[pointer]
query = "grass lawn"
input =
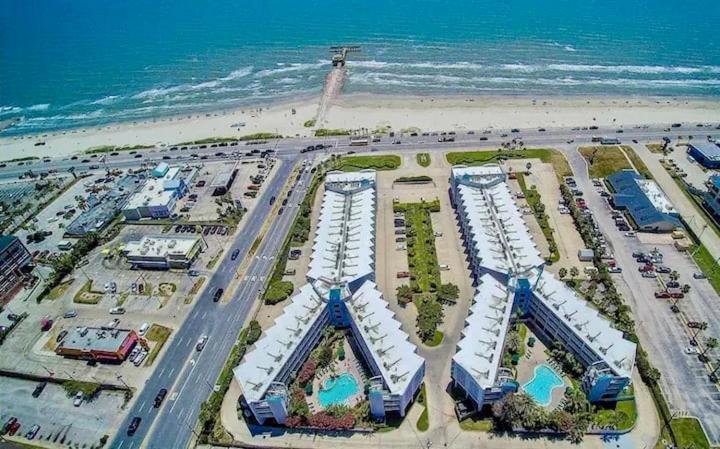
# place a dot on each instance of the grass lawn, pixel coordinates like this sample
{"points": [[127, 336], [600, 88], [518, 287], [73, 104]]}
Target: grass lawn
{"points": [[477, 425], [547, 155], [706, 263], [86, 295], [604, 160], [655, 147], [325, 132], [436, 340], [215, 260], [423, 422], [357, 163], [688, 432], [159, 334], [637, 162], [522, 332], [59, 290], [423, 159], [421, 253], [532, 196]]}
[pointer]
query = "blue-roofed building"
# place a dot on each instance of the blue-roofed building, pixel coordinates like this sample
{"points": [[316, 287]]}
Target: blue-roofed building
{"points": [[644, 201], [706, 153], [711, 198], [160, 170]]}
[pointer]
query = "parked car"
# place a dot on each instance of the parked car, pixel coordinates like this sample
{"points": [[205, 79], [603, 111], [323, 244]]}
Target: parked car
{"points": [[649, 274], [117, 310], [32, 432], [39, 389], [12, 420], [662, 294], [699, 276], [60, 336], [78, 398]]}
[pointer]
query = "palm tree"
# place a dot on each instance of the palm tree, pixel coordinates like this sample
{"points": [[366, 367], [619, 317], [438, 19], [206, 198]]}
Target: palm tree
{"points": [[713, 375], [562, 272], [700, 327], [674, 276], [528, 166], [710, 344], [574, 272]]}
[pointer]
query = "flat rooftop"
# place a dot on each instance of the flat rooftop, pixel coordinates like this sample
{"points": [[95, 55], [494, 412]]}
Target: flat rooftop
{"points": [[153, 192], [708, 149], [160, 246], [88, 339]]}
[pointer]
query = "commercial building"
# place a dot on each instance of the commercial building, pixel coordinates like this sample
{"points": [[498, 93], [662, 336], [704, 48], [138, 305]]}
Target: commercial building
{"points": [[163, 252], [644, 201], [340, 292], [509, 273], [14, 258], [98, 343], [223, 179], [102, 208], [706, 153], [157, 197]]}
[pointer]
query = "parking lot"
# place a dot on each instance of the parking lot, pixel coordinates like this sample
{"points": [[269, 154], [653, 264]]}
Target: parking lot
{"points": [[662, 333], [59, 420]]}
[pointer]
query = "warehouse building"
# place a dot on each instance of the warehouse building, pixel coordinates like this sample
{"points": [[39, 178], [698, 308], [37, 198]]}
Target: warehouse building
{"points": [[706, 153], [509, 273], [98, 343], [340, 292], [644, 201], [163, 252], [157, 197], [14, 260]]}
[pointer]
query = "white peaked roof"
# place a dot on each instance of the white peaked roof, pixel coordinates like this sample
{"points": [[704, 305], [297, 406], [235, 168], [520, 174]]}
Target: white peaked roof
{"points": [[344, 242], [498, 231], [261, 365], [382, 333], [480, 349], [587, 323]]}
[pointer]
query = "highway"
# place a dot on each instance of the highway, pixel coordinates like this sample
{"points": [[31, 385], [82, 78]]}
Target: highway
{"points": [[292, 146], [190, 375]]}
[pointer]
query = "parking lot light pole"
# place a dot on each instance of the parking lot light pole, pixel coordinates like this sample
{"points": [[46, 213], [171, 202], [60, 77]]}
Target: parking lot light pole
{"points": [[120, 378]]}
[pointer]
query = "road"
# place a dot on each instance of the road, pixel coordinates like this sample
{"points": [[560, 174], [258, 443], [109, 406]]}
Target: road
{"points": [[684, 380], [291, 146], [190, 375]]}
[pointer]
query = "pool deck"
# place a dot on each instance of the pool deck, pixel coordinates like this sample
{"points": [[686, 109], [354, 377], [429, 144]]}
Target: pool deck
{"points": [[526, 369], [350, 365]]}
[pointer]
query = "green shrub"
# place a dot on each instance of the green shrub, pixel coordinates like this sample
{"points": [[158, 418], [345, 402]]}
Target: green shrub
{"points": [[278, 291]]}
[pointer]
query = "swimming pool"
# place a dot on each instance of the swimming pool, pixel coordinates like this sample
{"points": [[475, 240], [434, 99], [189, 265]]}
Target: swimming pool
{"points": [[338, 390], [542, 384]]}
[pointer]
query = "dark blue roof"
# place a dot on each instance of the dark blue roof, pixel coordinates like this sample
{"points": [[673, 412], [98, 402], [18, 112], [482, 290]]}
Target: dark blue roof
{"points": [[715, 179], [629, 195], [5, 241], [708, 149]]}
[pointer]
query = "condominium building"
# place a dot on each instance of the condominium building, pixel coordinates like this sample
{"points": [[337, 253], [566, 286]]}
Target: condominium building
{"points": [[340, 292], [14, 257], [508, 270], [163, 252]]}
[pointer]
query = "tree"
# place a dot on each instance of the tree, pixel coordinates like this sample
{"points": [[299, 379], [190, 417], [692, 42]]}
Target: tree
{"points": [[430, 314], [404, 294], [448, 293], [511, 410], [710, 344], [562, 272], [686, 288], [528, 166], [674, 276], [574, 272]]}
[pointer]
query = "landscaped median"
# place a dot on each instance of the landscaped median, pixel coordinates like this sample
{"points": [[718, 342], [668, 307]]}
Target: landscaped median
{"points": [[357, 163], [426, 289], [158, 334], [423, 159], [532, 196]]}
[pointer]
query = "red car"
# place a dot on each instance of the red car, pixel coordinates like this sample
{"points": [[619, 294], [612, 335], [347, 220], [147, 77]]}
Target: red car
{"points": [[677, 295], [662, 294], [14, 427]]}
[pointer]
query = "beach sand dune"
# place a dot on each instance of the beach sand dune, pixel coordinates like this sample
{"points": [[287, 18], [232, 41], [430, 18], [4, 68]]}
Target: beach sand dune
{"points": [[373, 111]]}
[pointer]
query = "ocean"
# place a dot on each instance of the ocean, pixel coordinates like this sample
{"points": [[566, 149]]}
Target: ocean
{"points": [[70, 63]]}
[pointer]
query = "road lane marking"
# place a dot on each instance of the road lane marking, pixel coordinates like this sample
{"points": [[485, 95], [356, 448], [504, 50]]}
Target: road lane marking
{"points": [[162, 371], [121, 444], [142, 406], [204, 314]]}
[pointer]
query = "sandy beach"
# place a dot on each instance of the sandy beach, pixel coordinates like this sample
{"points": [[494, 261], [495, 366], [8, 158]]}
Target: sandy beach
{"points": [[371, 112]]}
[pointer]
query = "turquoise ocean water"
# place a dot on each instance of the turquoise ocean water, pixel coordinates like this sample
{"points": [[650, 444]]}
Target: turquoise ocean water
{"points": [[67, 63]]}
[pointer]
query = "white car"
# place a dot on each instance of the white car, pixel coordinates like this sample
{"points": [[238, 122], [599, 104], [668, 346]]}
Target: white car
{"points": [[78, 399], [630, 234], [201, 343], [117, 311], [690, 350]]}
